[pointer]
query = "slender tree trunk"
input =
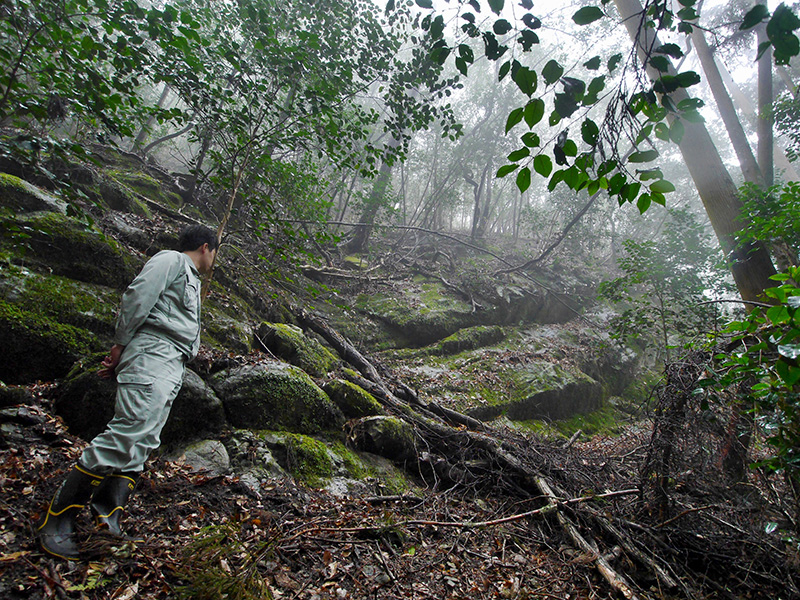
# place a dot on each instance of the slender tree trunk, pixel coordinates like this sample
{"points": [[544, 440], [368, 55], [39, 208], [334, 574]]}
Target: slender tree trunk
{"points": [[727, 111], [765, 120], [360, 241], [148, 127], [746, 107], [751, 266]]}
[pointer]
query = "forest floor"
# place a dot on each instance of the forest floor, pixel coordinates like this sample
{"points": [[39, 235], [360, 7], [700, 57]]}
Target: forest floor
{"points": [[201, 537], [206, 537]]}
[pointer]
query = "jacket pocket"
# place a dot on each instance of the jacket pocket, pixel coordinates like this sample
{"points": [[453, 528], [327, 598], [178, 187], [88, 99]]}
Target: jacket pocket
{"points": [[191, 295]]}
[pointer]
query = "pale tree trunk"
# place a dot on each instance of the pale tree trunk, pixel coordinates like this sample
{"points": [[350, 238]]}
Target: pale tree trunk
{"points": [[147, 128], [765, 132], [360, 241], [751, 266], [727, 111], [744, 105]]}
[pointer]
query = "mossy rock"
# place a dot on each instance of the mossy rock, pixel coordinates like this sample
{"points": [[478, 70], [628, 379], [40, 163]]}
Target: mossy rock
{"points": [[354, 401], [37, 347], [86, 403], [389, 437], [116, 196], [545, 390], [290, 344], [469, 338], [64, 246], [422, 315], [275, 395], [11, 395], [147, 186], [308, 460], [21, 196], [66, 301]]}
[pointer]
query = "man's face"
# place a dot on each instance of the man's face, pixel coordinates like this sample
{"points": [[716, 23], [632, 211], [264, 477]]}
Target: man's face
{"points": [[206, 259]]}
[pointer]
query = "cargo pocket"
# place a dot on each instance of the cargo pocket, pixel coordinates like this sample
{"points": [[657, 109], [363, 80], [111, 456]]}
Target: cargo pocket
{"points": [[134, 395]]}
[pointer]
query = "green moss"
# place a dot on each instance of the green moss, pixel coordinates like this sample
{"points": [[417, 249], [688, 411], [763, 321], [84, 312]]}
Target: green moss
{"points": [[354, 401], [64, 246], [308, 460], [64, 300], [39, 347], [19, 195], [147, 186], [289, 343]]}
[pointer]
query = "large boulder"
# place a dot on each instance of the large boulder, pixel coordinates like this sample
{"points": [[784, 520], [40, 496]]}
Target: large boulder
{"points": [[544, 390], [65, 246], [21, 196], [86, 403], [275, 395], [353, 400], [289, 343], [385, 436]]}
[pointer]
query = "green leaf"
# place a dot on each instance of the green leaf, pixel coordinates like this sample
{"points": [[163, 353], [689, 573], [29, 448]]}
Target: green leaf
{"points": [[502, 27], [552, 72], [672, 50], [524, 179], [648, 174], [513, 118], [676, 131], [662, 186], [505, 170], [643, 203], [518, 155], [589, 132], [613, 62], [643, 156], [593, 63], [587, 14], [534, 111], [437, 27], [557, 177], [779, 315], [543, 165], [425, 3], [530, 139], [504, 69], [661, 63], [496, 6], [526, 80], [755, 16]]}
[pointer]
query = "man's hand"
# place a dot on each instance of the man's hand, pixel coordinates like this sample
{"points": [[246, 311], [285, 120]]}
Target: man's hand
{"points": [[110, 362]]}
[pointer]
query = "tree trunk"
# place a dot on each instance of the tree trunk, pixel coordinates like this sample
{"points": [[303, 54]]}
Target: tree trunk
{"points": [[751, 266], [744, 105], [765, 130], [726, 109], [360, 241], [148, 127]]}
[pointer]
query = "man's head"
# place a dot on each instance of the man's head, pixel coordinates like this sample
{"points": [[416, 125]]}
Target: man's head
{"points": [[194, 236], [200, 244]]}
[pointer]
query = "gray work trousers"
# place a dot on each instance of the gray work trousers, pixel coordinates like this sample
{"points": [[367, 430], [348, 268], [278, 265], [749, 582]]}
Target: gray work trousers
{"points": [[149, 377]]}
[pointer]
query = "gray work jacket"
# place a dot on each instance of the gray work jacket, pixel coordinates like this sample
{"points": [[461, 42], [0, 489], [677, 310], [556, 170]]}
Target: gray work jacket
{"points": [[163, 300]]}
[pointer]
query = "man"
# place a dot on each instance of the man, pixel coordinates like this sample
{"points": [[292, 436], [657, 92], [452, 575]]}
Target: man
{"points": [[157, 332]]}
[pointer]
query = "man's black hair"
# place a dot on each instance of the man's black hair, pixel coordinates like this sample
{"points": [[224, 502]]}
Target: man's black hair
{"points": [[194, 236]]}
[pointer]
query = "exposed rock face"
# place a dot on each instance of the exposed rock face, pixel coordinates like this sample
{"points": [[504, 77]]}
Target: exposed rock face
{"points": [[288, 342], [274, 395], [86, 403]]}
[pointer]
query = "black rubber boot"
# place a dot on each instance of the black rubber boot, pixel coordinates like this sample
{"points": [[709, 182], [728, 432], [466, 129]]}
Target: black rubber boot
{"points": [[57, 532], [110, 499]]}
